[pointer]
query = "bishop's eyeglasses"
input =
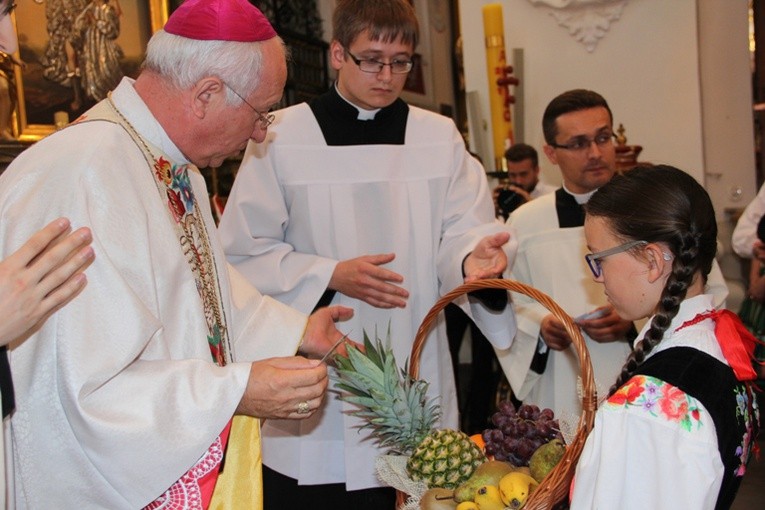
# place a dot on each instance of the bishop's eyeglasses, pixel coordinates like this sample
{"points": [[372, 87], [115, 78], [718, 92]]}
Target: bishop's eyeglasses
{"points": [[593, 259], [371, 65], [265, 119]]}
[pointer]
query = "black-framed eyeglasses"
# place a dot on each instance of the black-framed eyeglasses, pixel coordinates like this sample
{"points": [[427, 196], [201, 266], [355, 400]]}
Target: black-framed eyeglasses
{"points": [[593, 259], [9, 7], [265, 119], [580, 143], [370, 65]]}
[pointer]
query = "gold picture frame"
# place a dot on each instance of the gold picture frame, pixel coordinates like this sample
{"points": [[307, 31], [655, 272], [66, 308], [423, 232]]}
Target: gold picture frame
{"points": [[40, 99]]}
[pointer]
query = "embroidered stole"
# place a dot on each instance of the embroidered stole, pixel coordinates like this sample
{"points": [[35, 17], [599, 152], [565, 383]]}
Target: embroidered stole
{"points": [[206, 484]]}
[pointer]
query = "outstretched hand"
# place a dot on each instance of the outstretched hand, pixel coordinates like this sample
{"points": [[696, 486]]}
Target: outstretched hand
{"points": [[758, 250], [488, 259], [41, 277], [363, 278], [321, 334]]}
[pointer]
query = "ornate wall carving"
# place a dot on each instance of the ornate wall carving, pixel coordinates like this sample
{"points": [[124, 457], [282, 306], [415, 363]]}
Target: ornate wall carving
{"points": [[587, 21]]}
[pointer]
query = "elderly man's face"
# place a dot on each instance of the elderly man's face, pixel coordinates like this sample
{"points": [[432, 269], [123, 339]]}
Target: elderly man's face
{"points": [[8, 41], [226, 129]]}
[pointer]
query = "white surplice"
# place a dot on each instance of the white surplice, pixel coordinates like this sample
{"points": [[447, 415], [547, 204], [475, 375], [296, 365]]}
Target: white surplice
{"points": [[299, 206], [551, 259], [117, 395]]}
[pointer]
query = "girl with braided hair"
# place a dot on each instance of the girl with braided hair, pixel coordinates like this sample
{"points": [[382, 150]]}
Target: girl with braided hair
{"points": [[680, 423]]}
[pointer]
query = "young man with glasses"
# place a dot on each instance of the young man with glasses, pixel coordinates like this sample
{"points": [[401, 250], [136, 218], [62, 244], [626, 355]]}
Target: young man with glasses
{"points": [[541, 366], [358, 198]]}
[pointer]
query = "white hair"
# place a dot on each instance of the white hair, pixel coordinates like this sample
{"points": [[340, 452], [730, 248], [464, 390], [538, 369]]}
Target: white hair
{"points": [[185, 61]]}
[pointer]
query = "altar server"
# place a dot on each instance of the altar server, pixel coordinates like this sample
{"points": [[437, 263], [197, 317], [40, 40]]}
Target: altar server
{"points": [[360, 199]]}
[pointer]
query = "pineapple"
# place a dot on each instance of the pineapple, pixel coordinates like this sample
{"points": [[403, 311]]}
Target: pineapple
{"points": [[396, 408]]}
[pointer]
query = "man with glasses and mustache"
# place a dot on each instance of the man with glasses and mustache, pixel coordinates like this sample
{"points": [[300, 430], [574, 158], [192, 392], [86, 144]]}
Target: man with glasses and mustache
{"points": [[137, 393], [541, 366], [357, 198]]}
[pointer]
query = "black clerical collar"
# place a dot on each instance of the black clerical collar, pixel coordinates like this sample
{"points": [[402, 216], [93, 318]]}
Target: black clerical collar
{"points": [[570, 213], [340, 125]]}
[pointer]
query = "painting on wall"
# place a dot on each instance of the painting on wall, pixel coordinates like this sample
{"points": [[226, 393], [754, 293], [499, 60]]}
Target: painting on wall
{"points": [[71, 60]]}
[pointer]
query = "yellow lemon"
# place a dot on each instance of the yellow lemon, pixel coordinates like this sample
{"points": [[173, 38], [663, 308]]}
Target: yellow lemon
{"points": [[488, 498], [515, 487]]}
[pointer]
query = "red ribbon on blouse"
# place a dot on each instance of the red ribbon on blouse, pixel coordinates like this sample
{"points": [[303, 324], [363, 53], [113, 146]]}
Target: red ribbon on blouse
{"points": [[736, 342]]}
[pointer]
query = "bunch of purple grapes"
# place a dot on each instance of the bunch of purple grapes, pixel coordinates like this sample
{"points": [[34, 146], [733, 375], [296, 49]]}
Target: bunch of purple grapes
{"points": [[520, 432]]}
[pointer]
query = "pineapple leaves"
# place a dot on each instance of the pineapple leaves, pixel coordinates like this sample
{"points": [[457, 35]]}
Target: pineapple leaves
{"points": [[393, 405], [372, 353]]}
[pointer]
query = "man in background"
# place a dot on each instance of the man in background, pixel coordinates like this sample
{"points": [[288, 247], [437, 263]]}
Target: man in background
{"points": [[522, 179], [9, 45]]}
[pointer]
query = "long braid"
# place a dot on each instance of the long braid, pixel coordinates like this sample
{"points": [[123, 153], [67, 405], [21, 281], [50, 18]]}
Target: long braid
{"points": [[675, 210]]}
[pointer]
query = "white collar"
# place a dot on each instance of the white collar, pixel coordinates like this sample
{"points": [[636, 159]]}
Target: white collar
{"points": [[581, 198], [699, 335], [133, 108], [363, 114]]}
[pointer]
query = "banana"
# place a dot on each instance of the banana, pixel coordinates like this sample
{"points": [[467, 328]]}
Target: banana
{"points": [[515, 487], [467, 505], [488, 498]]}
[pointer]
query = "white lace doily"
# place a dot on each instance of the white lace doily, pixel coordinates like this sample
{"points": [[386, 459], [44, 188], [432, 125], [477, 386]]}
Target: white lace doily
{"points": [[391, 469]]}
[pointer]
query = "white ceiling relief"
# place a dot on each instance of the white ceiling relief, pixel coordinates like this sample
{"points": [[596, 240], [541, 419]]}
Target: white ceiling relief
{"points": [[587, 21]]}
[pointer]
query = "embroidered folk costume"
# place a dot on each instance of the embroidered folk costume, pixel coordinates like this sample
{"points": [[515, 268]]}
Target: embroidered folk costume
{"points": [[691, 439]]}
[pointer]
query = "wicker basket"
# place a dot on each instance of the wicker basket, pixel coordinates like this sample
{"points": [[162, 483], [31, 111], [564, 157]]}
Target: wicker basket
{"points": [[554, 488]]}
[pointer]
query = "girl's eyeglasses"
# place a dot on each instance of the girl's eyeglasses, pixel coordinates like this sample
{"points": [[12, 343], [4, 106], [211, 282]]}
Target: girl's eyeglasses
{"points": [[593, 259]]}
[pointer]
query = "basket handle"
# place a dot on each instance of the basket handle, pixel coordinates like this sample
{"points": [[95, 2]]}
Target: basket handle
{"points": [[554, 488], [571, 328]]}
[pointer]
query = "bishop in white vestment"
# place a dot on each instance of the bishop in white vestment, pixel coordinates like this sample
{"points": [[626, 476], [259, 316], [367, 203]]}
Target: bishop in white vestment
{"points": [[117, 395]]}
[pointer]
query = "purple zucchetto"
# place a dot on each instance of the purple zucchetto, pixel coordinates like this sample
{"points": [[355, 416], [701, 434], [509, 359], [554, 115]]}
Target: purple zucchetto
{"points": [[220, 20]]}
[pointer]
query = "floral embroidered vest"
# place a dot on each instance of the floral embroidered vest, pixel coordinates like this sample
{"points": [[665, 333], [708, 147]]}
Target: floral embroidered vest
{"points": [[730, 403]]}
